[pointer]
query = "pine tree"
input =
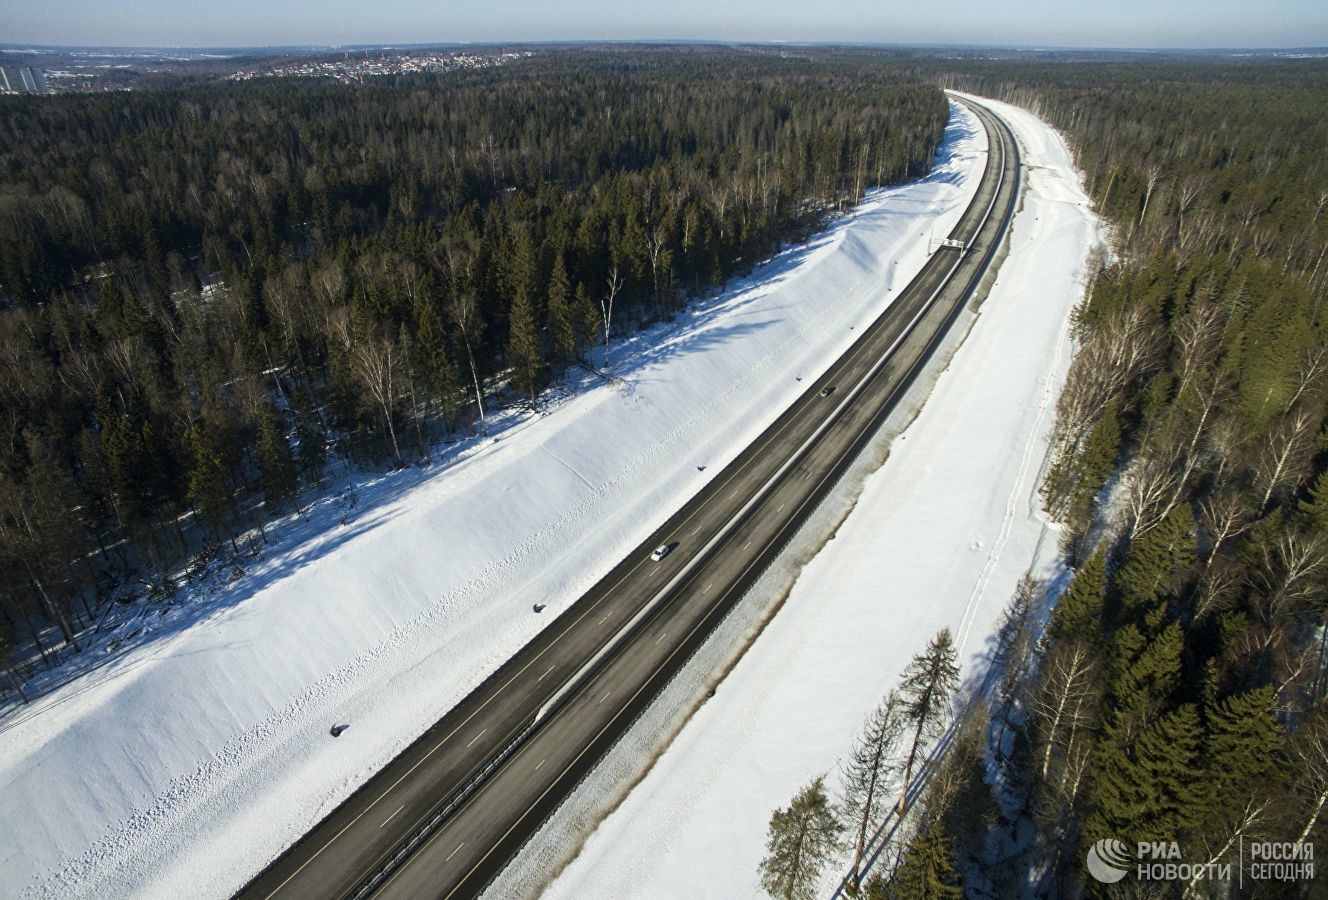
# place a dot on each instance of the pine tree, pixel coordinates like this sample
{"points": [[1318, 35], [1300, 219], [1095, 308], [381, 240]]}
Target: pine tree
{"points": [[801, 839], [1079, 610], [276, 463], [927, 689], [927, 870], [870, 772]]}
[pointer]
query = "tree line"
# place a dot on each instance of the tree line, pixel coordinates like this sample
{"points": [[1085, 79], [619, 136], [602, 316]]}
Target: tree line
{"points": [[898, 737], [212, 293], [1177, 690]]}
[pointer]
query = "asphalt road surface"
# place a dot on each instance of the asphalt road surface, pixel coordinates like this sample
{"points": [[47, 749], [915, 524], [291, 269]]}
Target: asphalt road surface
{"points": [[444, 817]]}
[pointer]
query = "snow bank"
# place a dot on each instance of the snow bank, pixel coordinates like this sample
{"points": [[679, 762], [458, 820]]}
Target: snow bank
{"points": [[185, 763], [939, 535]]}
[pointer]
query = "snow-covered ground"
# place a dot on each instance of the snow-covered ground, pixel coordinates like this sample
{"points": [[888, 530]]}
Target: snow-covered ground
{"points": [[198, 749], [937, 536]]}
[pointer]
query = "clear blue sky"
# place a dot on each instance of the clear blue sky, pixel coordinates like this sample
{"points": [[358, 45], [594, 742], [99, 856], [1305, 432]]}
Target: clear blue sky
{"points": [[1081, 23]]}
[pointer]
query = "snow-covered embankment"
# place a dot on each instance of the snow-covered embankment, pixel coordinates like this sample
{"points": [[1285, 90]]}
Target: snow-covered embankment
{"points": [[937, 536]]}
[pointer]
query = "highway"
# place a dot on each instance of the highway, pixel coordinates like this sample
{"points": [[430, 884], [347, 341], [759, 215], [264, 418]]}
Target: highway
{"points": [[444, 817]]}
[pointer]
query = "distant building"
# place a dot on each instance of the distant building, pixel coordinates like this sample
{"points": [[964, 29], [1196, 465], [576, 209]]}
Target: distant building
{"points": [[23, 80], [34, 80]]}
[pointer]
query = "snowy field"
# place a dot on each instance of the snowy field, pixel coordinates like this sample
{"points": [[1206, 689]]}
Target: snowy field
{"points": [[197, 748], [939, 535]]}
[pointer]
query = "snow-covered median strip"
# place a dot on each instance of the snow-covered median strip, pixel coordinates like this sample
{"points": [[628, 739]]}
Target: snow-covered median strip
{"points": [[937, 536], [186, 763]]}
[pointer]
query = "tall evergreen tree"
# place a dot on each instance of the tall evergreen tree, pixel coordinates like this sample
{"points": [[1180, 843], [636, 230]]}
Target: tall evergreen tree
{"points": [[590, 325], [927, 870], [523, 347], [869, 774], [1095, 463], [1243, 748], [1079, 610], [310, 437], [1144, 684], [927, 689], [562, 324], [1154, 790], [208, 490], [276, 462], [1313, 512], [1157, 560], [801, 839]]}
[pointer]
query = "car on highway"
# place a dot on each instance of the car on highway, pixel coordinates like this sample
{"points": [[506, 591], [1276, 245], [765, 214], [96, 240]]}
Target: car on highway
{"points": [[827, 390], [661, 551]]}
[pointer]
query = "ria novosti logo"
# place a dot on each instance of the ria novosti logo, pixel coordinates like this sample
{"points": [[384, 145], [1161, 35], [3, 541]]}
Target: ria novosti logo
{"points": [[1109, 860]]}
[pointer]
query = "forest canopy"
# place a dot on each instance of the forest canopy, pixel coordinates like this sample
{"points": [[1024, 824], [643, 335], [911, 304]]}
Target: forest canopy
{"points": [[213, 291]]}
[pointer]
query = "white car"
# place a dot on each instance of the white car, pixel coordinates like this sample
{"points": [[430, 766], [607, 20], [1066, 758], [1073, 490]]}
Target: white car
{"points": [[661, 551]]}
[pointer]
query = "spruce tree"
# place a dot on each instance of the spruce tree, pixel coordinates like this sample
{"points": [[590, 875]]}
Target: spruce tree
{"points": [[207, 481], [310, 438], [523, 347], [1145, 684], [927, 689], [1313, 512], [128, 460], [1153, 791], [562, 327], [590, 322], [1244, 748], [431, 340], [1157, 561], [927, 870], [1079, 610], [1096, 463], [801, 839], [276, 463]]}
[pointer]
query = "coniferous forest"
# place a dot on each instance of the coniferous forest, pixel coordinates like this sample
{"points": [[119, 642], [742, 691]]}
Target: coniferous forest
{"points": [[1174, 691], [212, 292]]}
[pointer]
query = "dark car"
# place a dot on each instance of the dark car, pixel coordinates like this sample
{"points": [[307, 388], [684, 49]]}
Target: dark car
{"points": [[827, 390]]}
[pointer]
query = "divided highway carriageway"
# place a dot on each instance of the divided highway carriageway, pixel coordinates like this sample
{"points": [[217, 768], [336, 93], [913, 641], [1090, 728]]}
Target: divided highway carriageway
{"points": [[444, 817]]}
